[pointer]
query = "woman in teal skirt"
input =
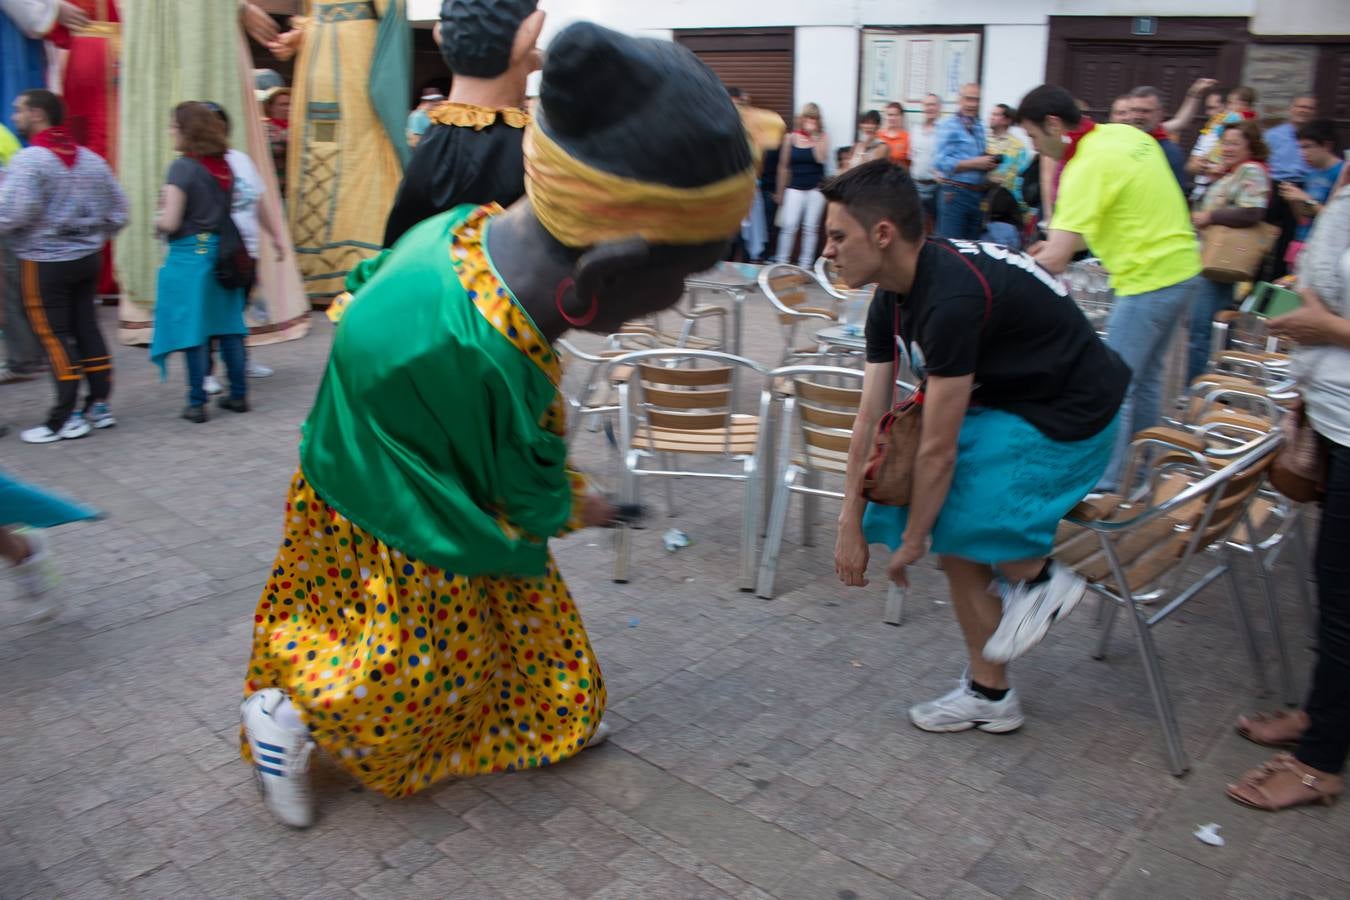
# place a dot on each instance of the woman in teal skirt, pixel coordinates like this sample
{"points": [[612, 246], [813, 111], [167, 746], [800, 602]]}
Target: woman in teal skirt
{"points": [[193, 307]]}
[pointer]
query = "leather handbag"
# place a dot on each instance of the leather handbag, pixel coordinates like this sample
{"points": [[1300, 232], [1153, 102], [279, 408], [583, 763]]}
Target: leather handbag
{"points": [[1231, 255], [1300, 468], [888, 478]]}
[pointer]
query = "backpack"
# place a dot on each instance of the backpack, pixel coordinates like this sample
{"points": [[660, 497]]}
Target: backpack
{"points": [[234, 267]]}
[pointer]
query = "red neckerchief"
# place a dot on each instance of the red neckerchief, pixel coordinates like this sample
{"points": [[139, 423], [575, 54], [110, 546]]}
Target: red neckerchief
{"points": [[1160, 134], [280, 123], [57, 140], [218, 167], [1085, 125], [1248, 114]]}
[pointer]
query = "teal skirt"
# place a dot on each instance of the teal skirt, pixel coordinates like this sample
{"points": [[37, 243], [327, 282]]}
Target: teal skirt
{"points": [[1011, 488], [24, 504], [191, 307]]}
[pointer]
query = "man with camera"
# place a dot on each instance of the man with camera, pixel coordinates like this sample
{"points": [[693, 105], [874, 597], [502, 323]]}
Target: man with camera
{"points": [[962, 165]]}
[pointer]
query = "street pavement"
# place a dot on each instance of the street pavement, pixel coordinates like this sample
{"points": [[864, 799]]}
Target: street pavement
{"points": [[760, 747]]}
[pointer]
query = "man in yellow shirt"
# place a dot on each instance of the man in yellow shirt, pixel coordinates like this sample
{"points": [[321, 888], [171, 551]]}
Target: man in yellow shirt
{"points": [[766, 129], [1118, 198]]}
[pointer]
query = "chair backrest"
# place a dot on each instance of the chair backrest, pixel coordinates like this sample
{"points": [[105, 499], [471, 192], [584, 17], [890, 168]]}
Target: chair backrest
{"points": [[686, 392], [829, 279], [796, 294], [1234, 487], [825, 416]]}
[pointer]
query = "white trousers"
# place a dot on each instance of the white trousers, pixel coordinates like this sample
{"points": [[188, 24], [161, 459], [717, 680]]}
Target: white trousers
{"points": [[800, 209]]}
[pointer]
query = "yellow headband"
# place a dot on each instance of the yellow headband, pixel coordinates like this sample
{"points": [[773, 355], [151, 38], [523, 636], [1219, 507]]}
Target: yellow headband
{"points": [[582, 206]]}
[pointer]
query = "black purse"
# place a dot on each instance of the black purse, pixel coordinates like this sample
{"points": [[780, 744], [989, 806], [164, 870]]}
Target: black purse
{"points": [[234, 268]]}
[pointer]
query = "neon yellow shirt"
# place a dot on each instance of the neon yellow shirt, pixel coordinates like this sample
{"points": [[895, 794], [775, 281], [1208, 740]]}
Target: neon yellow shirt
{"points": [[1119, 193], [9, 145]]}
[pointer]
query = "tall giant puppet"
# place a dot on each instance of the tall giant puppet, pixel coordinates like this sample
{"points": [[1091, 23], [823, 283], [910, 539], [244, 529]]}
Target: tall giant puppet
{"points": [[472, 151], [176, 50], [348, 148]]}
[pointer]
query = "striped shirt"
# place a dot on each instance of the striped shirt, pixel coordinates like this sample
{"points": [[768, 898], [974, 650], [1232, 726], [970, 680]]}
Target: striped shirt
{"points": [[50, 212]]}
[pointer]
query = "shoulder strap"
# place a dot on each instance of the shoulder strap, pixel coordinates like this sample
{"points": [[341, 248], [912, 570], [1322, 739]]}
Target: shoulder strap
{"points": [[984, 282]]}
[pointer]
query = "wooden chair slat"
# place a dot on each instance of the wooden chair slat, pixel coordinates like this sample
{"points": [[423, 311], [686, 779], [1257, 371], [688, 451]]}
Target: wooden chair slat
{"points": [[684, 377], [718, 399]]}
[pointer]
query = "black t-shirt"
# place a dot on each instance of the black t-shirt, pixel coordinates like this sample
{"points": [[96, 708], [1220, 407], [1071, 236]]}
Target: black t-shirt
{"points": [[453, 165], [1032, 351], [205, 197]]}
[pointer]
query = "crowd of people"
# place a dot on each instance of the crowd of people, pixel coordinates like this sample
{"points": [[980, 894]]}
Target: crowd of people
{"points": [[585, 212]]}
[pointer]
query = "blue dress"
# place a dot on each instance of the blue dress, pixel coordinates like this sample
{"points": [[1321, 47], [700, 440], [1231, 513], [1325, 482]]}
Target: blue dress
{"points": [[23, 63]]}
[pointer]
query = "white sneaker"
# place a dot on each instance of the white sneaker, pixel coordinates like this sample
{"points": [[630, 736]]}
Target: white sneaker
{"points": [[257, 370], [280, 759], [1028, 610], [36, 576], [964, 709], [39, 435], [601, 734], [76, 427], [211, 385], [100, 416]]}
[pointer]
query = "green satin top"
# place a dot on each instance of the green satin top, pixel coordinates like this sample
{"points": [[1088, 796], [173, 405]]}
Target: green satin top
{"points": [[437, 427]]}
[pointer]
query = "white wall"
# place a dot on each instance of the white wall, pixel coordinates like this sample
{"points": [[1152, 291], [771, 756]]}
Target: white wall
{"points": [[826, 74], [1301, 17], [1014, 62]]}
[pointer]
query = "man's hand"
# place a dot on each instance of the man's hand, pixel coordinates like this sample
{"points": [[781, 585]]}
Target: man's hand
{"points": [[1200, 219], [1201, 85], [286, 45], [1310, 325], [1293, 193], [258, 25], [596, 511], [71, 16], [850, 556], [909, 553]]}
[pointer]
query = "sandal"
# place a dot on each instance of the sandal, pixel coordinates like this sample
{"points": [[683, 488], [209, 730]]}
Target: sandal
{"points": [[1279, 729], [1283, 782]]}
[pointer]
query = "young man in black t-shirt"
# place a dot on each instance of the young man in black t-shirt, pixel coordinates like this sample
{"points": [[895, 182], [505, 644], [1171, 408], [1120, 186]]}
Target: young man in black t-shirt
{"points": [[1019, 417]]}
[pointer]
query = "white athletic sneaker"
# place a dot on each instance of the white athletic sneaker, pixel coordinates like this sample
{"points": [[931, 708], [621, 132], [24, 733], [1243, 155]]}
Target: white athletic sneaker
{"points": [[1028, 610], [280, 759], [211, 385], [36, 577], [601, 734], [100, 416], [257, 370], [39, 435], [76, 427], [964, 709]]}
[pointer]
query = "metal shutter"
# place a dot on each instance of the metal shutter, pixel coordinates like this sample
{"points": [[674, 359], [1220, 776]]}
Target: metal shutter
{"points": [[756, 60]]}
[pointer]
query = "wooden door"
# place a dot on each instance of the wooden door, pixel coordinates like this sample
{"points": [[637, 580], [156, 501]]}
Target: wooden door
{"points": [[756, 60]]}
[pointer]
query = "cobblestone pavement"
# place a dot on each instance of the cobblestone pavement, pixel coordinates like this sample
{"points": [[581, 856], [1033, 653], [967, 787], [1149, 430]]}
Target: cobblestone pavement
{"points": [[760, 749]]}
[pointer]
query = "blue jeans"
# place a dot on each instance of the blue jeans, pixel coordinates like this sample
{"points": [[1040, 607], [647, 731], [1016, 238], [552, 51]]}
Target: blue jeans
{"points": [[232, 352], [1212, 299], [928, 194], [1139, 330], [958, 214]]}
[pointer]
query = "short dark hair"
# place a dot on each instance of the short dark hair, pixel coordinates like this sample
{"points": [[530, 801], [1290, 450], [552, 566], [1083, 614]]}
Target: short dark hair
{"points": [[1006, 110], [1146, 90], [1319, 131], [1246, 94], [871, 117], [50, 104], [895, 104], [1049, 100], [877, 190]]}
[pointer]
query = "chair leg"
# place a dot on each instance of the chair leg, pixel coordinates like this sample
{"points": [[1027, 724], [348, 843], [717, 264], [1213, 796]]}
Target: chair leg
{"points": [[895, 605], [1299, 549], [749, 523], [769, 455], [1245, 626], [810, 506], [1157, 686], [623, 535], [773, 542], [668, 463], [1276, 629], [1108, 620]]}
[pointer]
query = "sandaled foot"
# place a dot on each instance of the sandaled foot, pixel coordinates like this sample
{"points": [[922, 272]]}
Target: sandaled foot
{"points": [[1283, 782], [1280, 729]]}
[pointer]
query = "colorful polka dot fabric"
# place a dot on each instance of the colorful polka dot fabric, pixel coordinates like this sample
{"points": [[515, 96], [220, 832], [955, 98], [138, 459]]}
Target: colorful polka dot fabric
{"points": [[406, 674]]}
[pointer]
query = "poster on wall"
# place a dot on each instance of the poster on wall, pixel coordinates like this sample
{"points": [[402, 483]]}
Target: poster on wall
{"points": [[906, 66]]}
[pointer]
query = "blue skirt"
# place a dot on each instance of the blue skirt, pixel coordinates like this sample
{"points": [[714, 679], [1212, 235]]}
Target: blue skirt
{"points": [[24, 504], [1011, 488], [191, 307]]}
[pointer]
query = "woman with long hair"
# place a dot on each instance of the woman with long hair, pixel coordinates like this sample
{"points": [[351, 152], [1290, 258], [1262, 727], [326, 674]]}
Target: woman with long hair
{"points": [[193, 306], [801, 169], [1237, 200]]}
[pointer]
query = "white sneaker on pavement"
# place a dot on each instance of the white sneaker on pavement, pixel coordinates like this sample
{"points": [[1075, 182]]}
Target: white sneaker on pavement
{"points": [[1028, 610], [964, 709], [601, 734], [257, 370], [100, 416], [39, 435], [76, 427], [211, 385], [36, 577], [280, 759]]}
